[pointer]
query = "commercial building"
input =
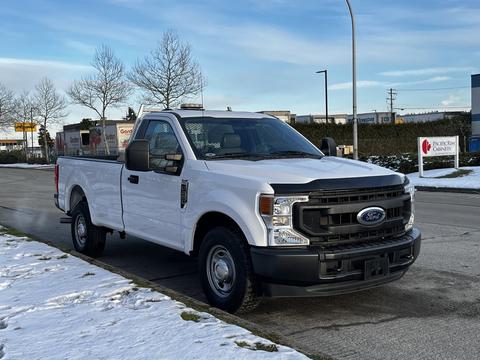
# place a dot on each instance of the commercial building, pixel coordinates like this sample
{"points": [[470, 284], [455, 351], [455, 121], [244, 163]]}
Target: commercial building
{"points": [[376, 117], [284, 115], [475, 139], [11, 144], [429, 116], [321, 119]]}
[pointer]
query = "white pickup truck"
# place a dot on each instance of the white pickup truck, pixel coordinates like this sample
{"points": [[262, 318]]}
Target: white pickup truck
{"points": [[266, 212]]}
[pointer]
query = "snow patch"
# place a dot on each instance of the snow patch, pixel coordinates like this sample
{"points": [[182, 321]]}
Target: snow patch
{"points": [[471, 181], [27, 166], [60, 313]]}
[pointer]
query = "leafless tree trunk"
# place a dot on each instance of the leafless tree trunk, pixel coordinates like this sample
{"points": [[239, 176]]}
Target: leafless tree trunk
{"points": [[24, 111], [7, 106], [106, 87], [168, 74], [50, 106]]}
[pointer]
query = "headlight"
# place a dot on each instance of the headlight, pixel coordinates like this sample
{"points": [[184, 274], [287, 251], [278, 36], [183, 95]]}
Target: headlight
{"points": [[277, 215], [410, 189]]}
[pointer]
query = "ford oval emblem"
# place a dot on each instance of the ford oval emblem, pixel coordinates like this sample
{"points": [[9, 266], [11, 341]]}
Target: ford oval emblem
{"points": [[371, 216]]}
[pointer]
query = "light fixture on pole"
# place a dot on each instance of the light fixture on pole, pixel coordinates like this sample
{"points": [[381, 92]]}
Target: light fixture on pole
{"points": [[354, 84], [326, 93]]}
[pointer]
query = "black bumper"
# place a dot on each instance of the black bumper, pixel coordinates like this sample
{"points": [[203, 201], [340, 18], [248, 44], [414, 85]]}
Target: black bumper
{"points": [[317, 271]]}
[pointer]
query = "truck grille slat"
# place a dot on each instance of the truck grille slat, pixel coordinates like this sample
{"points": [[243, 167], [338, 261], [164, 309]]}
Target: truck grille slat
{"points": [[330, 217]]}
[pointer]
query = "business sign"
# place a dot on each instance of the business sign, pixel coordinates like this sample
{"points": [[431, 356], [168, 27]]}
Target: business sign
{"points": [[25, 127], [437, 146]]}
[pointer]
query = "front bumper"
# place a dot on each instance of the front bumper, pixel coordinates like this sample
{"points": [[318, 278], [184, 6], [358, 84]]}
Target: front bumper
{"points": [[317, 271]]}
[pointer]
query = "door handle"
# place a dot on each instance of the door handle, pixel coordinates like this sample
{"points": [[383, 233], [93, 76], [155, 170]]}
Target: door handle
{"points": [[133, 179]]}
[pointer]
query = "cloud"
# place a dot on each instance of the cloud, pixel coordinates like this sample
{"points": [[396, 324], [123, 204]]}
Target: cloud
{"points": [[360, 84], [384, 84], [427, 71], [80, 46], [451, 100]]}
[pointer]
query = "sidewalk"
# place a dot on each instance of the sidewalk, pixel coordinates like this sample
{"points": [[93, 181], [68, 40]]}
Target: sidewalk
{"points": [[55, 306]]}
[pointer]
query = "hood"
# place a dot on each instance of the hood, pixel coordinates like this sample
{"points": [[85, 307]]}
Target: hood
{"points": [[299, 170]]}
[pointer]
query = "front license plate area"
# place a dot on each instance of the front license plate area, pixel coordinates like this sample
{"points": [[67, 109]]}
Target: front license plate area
{"points": [[376, 267]]}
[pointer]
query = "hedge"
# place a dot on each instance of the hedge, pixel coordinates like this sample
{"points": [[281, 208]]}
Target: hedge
{"points": [[408, 163], [18, 156], [376, 139]]}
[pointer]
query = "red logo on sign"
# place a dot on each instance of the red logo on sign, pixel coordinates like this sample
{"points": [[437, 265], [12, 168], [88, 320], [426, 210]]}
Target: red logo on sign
{"points": [[426, 146]]}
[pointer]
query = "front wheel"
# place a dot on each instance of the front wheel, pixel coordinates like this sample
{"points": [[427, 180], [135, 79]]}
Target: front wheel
{"points": [[87, 238], [226, 271]]}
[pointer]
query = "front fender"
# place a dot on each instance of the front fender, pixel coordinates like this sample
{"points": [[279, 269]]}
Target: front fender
{"points": [[241, 209]]}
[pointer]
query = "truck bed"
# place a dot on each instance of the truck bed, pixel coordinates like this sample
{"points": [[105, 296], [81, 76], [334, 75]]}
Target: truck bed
{"points": [[100, 180]]}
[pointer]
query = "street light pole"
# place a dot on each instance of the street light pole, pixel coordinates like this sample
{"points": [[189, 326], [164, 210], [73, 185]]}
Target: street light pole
{"points": [[326, 94], [354, 84]]}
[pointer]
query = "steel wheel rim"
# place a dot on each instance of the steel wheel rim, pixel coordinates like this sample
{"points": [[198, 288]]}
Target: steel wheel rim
{"points": [[221, 271], [80, 230]]}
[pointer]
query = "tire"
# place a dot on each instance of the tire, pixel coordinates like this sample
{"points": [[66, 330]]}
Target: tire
{"points": [[226, 271], [87, 238]]}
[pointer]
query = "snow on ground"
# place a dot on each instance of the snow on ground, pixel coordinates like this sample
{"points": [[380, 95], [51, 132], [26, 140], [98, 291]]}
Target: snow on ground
{"points": [[27, 166], [57, 306], [471, 181]]}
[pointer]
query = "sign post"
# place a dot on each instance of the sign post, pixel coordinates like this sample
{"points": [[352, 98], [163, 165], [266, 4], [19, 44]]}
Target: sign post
{"points": [[437, 146]]}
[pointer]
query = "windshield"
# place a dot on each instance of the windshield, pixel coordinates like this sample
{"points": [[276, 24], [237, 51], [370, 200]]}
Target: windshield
{"points": [[253, 139]]}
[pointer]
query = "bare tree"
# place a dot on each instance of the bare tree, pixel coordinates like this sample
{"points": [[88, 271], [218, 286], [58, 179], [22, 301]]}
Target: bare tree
{"points": [[50, 106], [462, 126], [7, 106], [106, 87], [25, 111], [168, 74]]}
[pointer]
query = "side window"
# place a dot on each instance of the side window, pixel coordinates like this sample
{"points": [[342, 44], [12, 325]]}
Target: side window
{"points": [[162, 141]]}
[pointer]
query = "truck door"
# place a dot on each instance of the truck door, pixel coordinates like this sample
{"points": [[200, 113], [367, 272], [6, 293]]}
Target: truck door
{"points": [[151, 200]]}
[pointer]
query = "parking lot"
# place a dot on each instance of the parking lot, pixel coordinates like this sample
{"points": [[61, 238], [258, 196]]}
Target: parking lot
{"points": [[433, 312]]}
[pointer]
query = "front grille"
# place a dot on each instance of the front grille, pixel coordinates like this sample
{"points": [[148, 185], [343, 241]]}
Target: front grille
{"points": [[330, 217]]}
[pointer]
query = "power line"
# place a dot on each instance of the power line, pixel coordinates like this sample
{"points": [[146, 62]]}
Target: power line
{"points": [[433, 107]]}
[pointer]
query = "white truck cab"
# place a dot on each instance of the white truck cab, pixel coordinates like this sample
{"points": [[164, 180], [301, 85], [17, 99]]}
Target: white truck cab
{"points": [[266, 212]]}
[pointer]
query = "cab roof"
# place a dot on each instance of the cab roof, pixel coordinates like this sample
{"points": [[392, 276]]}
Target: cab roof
{"points": [[184, 114]]}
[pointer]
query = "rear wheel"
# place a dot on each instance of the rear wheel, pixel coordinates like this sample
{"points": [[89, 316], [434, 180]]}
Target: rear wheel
{"points": [[87, 238], [226, 271]]}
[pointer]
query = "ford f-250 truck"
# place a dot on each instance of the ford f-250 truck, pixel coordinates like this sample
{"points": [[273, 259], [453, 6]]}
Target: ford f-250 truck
{"points": [[266, 212]]}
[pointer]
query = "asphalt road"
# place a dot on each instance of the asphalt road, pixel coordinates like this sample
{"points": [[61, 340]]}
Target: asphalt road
{"points": [[433, 312]]}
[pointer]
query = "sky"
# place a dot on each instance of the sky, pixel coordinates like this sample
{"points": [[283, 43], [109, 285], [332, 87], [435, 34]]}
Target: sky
{"points": [[259, 54]]}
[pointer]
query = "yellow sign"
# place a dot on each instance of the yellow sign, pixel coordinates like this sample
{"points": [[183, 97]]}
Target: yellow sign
{"points": [[25, 127]]}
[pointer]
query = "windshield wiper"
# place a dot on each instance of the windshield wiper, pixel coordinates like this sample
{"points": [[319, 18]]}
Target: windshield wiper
{"points": [[238, 155], [294, 153]]}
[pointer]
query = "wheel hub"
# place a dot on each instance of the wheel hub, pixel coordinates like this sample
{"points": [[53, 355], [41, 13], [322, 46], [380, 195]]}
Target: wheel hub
{"points": [[81, 230], [221, 270]]}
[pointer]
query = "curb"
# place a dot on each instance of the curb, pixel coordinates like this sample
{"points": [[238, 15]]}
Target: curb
{"points": [[448, 189], [187, 300]]}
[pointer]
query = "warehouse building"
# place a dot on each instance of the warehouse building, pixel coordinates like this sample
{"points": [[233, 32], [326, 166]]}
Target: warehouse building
{"points": [[429, 116], [321, 119], [284, 115], [475, 139]]}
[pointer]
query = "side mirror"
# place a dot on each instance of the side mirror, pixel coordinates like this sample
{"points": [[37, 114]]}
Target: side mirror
{"points": [[137, 156], [329, 147]]}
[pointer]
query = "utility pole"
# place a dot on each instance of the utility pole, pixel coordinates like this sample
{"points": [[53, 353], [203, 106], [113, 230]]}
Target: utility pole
{"points": [[392, 96], [354, 84], [326, 94], [31, 130]]}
